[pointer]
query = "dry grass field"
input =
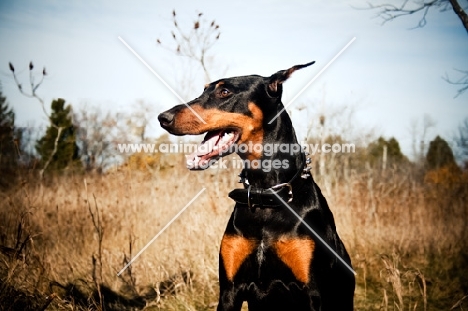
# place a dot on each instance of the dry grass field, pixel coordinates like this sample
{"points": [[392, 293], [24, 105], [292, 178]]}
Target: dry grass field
{"points": [[63, 240]]}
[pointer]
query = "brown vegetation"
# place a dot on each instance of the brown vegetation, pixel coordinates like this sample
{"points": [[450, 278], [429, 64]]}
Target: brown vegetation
{"points": [[64, 240]]}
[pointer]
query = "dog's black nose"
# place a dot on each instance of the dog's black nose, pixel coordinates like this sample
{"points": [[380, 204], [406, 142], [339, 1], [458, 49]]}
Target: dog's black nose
{"points": [[166, 118]]}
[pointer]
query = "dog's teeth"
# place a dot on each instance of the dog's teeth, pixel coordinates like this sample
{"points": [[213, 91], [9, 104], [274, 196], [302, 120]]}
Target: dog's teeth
{"points": [[228, 136], [215, 148]]}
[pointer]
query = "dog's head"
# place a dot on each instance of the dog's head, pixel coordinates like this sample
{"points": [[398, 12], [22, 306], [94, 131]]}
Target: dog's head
{"points": [[231, 111]]}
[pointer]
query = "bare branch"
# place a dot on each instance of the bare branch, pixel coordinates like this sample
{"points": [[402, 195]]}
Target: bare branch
{"points": [[389, 12], [34, 86], [59, 132], [194, 42], [96, 218], [460, 13], [462, 81], [33, 94]]}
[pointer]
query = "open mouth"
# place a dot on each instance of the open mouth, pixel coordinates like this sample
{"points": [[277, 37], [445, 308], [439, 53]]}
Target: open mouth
{"points": [[215, 145]]}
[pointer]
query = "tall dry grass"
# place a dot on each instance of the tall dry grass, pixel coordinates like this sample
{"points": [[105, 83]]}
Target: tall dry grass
{"points": [[64, 240]]}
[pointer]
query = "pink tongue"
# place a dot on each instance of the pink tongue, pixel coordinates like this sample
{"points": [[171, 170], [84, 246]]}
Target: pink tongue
{"points": [[205, 147]]}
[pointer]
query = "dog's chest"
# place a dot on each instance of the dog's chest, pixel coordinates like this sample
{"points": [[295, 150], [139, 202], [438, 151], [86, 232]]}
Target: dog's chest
{"points": [[290, 254], [260, 253]]}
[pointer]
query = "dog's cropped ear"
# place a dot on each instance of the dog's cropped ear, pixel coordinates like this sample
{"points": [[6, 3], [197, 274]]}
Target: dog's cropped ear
{"points": [[275, 81]]}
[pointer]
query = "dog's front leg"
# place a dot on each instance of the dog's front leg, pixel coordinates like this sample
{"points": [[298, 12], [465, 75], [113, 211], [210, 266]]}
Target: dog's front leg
{"points": [[229, 294], [234, 251], [229, 298]]}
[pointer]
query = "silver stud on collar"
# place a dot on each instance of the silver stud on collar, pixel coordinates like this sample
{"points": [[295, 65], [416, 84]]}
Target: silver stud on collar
{"points": [[307, 168]]}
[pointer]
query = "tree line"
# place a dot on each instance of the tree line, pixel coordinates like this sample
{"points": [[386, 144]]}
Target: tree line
{"points": [[87, 140]]}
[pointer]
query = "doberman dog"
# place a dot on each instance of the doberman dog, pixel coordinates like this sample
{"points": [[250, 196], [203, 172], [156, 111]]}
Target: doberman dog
{"points": [[273, 253]]}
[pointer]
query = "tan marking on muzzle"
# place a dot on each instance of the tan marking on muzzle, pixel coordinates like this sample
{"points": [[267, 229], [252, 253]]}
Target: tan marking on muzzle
{"points": [[251, 127]]}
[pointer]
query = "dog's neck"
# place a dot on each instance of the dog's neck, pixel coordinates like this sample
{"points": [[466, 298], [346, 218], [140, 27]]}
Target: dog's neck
{"points": [[288, 155]]}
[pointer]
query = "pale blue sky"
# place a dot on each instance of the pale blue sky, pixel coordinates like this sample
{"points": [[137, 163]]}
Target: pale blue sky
{"points": [[391, 73]]}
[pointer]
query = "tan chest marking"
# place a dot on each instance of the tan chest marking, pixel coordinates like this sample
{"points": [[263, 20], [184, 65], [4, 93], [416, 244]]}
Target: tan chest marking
{"points": [[297, 255], [234, 250]]}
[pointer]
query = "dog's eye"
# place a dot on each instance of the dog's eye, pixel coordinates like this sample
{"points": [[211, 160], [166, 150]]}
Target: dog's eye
{"points": [[224, 93]]}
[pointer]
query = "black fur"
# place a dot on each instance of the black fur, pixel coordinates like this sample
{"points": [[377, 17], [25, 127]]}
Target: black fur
{"points": [[263, 279]]}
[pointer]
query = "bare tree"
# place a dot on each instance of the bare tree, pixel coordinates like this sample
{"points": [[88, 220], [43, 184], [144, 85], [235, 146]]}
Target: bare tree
{"points": [[33, 94], [461, 140], [95, 134], [34, 86], [419, 131], [99, 132], [389, 12], [463, 81], [194, 42], [139, 120]]}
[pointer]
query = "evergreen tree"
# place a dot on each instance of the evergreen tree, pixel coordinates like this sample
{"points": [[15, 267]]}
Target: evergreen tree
{"points": [[394, 154], [9, 144], [66, 154], [439, 155]]}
